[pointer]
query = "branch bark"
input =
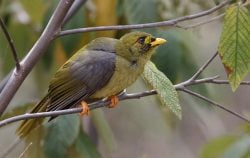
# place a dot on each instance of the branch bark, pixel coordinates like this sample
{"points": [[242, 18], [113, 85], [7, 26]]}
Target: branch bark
{"points": [[26, 65], [95, 105], [11, 43], [53, 29], [215, 104], [123, 96], [172, 22]]}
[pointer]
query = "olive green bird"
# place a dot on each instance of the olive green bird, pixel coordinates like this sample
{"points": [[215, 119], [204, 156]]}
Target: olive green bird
{"points": [[103, 68]]}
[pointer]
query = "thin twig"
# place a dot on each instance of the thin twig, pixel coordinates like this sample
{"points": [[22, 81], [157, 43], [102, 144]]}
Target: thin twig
{"points": [[194, 82], [227, 82], [123, 96], [26, 148], [172, 22], [53, 29], [17, 77], [11, 44], [202, 22], [73, 9], [201, 69], [92, 106], [215, 104]]}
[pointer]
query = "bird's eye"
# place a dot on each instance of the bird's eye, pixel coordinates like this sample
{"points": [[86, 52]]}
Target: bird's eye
{"points": [[141, 40]]}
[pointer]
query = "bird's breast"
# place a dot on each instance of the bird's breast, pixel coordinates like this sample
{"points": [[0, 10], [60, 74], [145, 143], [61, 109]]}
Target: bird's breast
{"points": [[125, 74]]}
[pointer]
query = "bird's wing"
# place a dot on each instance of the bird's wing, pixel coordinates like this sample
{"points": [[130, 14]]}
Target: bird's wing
{"points": [[80, 77]]}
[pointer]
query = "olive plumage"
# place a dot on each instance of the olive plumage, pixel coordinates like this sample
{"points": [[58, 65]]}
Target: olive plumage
{"points": [[102, 68]]}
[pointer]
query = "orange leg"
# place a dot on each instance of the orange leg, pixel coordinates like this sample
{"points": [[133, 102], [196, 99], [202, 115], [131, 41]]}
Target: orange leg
{"points": [[114, 101], [85, 108]]}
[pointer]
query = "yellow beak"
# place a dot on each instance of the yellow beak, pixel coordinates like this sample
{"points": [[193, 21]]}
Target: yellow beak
{"points": [[158, 41]]}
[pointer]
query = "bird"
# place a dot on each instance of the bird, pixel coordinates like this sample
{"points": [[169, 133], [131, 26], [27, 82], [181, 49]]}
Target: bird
{"points": [[101, 69]]}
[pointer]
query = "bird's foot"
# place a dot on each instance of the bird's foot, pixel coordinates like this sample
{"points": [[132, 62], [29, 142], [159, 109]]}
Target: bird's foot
{"points": [[85, 108], [114, 101]]}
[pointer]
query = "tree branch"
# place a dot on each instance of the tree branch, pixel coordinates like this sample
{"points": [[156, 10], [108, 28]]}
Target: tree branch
{"points": [[92, 106], [11, 44], [172, 22], [25, 149], [227, 82], [123, 96], [201, 69], [202, 22], [73, 9], [215, 104], [17, 77], [53, 29], [192, 80]]}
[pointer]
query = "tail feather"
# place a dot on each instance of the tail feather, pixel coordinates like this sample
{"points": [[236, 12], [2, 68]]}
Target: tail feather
{"points": [[28, 125]]}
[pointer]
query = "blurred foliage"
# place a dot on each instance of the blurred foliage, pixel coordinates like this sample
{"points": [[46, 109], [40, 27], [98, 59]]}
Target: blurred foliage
{"points": [[103, 129], [83, 148], [228, 147], [216, 147], [64, 136], [62, 133]]}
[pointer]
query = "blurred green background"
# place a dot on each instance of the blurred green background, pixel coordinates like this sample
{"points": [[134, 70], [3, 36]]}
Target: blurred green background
{"points": [[136, 128]]}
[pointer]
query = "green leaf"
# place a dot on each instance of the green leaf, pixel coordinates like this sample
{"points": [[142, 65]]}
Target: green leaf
{"points": [[234, 44], [62, 133], [103, 129], [84, 148], [216, 147], [240, 149], [163, 86]]}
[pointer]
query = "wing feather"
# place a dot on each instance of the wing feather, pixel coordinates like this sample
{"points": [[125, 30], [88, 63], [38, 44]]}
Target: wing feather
{"points": [[80, 77]]}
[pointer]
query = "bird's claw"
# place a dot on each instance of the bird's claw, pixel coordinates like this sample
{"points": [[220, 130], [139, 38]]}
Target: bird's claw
{"points": [[85, 108], [114, 101]]}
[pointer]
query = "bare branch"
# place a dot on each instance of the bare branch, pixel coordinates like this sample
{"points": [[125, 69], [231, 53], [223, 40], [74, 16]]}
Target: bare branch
{"points": [[215, 104], [92, 106], [53, 29], [227, 82], [26, 148], [73, 9], [11, 43], [201, 69], [123, 96], [194, 82], [172, 22], [17, 77], [202, 22]]}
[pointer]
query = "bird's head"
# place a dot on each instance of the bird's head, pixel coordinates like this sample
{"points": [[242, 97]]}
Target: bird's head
{"points": [[140, 44]]}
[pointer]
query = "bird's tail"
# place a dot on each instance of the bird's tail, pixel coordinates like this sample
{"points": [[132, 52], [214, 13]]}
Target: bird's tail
{"points": [[28, 125]]}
